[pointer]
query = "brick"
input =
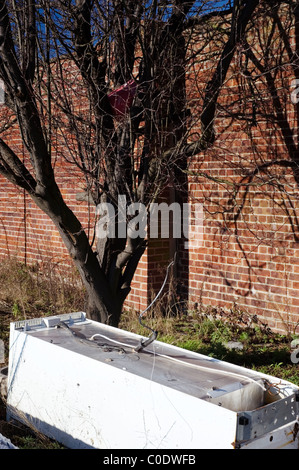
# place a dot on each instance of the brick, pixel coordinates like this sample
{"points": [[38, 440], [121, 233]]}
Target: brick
{"points": [[259, 249]]}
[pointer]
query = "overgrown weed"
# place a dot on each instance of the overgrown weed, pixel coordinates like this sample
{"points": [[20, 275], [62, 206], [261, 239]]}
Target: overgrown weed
{"points": [[36, 291], [208, 331], [31, 291], [48, 289]]}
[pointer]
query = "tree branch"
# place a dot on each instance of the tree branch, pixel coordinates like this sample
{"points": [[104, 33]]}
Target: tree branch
{"points": [[24, 104], [14, 170], [30, 35], [242, 13]]}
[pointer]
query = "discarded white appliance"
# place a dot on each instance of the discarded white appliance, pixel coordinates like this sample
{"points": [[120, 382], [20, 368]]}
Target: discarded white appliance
{"points": [[6, 443], [89, 385]]}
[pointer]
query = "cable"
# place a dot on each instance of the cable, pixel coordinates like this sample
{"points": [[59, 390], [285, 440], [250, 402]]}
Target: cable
{"points": [[91, 342], [196, 366], [154, 334], [161, 289], [92, 338], [215, 371]]}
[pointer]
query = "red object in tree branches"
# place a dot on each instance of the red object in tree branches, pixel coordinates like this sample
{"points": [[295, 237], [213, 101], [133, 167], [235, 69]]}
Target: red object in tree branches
{"points": [[121, 99]]}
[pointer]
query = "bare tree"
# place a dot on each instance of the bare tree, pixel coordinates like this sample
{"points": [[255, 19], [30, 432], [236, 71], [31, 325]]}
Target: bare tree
{"points": [[135, 51]]}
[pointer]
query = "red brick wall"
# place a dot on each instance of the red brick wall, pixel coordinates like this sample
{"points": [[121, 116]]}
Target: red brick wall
{"points": [[253, 262], [250, 261]]}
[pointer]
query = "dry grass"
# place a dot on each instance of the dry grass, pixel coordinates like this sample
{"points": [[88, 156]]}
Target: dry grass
{"points": [[28, 291]]}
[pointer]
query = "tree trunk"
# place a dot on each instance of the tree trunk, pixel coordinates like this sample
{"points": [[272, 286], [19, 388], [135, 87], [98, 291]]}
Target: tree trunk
{"points": [[102, 305]]}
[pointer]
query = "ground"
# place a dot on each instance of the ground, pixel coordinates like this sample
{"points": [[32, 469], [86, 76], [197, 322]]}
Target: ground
{"points": [[25, 293]]}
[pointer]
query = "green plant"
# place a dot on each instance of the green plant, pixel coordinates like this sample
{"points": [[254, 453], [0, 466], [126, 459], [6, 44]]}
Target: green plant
{"points": [[37, 442], [244, 337], [16, 312], [41, 289], [190, 344]]}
